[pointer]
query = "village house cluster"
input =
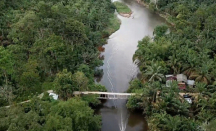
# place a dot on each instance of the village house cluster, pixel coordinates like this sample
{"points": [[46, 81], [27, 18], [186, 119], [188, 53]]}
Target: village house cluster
{"points": [[183, 82]]}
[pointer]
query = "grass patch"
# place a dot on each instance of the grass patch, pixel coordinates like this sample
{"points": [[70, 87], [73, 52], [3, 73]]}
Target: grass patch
{"points": [[122, 8], [47, 86], [114, 25]]}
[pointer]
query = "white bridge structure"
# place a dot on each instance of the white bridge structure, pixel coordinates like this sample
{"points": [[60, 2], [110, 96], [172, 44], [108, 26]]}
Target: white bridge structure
{"points": [[105, 95]]}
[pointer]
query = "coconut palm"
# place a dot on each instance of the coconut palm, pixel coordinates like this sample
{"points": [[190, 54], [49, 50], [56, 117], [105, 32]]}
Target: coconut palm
{"points": [[174, 64], [207, 107], [211, 126], [201, 87], [203, 72], [189, 67], [201, 75], [166, 122], [154, 72]]}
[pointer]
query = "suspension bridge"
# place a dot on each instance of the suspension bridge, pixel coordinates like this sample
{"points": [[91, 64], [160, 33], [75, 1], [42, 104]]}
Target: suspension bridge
{"points": [[102, 95], [105, 95]]}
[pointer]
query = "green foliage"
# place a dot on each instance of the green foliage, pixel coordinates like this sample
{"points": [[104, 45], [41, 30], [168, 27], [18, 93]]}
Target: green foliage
{"points": [[80, 81], [134, 103], [165, 122], [114, 25], [92, 100], [154, 72], [51, 45], [160, 31], [121, 7], [211, 126], [6, 64], [81, 116], [152, 7], [97, 87], [41, 38], [63, 84], [134, 85], [189, 48], [73, 114]]}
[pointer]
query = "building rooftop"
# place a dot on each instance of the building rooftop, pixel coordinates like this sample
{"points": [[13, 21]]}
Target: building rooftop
{"points": [[54, 96], [191, 82], [181, 78]]}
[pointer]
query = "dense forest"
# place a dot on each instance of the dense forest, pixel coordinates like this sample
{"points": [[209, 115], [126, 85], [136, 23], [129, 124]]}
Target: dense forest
{"points": [[51, 45], [186, 46]]}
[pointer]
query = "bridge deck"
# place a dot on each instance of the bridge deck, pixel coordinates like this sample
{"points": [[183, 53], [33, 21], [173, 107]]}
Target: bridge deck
{"points": [[101, 93], [106, 95]]}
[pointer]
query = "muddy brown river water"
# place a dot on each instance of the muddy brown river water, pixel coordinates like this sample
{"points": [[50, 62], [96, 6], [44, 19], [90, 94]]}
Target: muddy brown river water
{"points": [[119, 68]]}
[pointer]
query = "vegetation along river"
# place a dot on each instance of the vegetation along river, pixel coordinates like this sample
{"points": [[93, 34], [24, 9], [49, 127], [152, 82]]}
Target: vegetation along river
{"points": [[119, 68]]}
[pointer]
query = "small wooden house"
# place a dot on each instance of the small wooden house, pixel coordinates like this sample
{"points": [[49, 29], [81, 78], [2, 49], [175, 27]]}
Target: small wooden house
{"points": [[182, 86], [180, 78]]}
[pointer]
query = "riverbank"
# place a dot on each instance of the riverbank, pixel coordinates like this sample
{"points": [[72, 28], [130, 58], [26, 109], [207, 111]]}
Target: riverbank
{"points": [[181, 105], [119, 67], [123, 9], [114, 25], [161, 14]]}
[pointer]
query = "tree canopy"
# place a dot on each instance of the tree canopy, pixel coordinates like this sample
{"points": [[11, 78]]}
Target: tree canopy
{"points": [[186, 45], [51, 45], [71, 115]]}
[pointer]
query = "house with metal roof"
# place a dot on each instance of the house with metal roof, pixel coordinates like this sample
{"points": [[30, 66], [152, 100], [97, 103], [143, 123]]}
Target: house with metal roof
{"points": [[180, 78]]}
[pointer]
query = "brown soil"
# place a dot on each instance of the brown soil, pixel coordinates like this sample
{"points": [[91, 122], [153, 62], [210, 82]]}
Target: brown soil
{"points": [[101, 48]]}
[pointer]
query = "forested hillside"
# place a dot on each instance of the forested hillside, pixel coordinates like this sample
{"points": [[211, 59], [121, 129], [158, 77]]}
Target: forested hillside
{"points": [[188, 48], [41, 38], [51, 44]]}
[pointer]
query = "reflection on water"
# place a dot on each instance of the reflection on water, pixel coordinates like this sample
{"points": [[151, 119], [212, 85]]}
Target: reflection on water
{"points": [[119, 67]]}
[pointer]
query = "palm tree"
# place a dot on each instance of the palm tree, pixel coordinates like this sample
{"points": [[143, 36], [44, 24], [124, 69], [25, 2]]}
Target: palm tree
{"points": [[201, 75], [207, 107], [188, 69], [171, 102], [172, 123], [201, 87], [154, 72], [149, 96], [193, 60], [166, 122], [174, 64], [203, 72], [211, 126], [155, 121]]}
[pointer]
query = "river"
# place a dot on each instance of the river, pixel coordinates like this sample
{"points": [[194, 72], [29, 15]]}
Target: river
{"points": [[119, 68]]}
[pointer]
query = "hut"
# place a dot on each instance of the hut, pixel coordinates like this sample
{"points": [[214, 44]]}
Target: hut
{"points": [[191, 83], [181, 78], [182, 86], [54, 96], [170, 79]]}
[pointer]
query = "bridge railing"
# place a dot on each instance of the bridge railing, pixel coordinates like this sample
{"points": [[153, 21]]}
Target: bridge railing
{"points": [[106, 95]]}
